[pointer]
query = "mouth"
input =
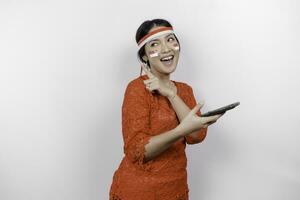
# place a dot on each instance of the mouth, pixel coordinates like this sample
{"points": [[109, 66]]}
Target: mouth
{"points": [[167, 60]]}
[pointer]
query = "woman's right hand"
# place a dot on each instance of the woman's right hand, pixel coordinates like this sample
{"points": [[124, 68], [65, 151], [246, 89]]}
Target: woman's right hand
{"points": [[154, 83], [193, 122]]}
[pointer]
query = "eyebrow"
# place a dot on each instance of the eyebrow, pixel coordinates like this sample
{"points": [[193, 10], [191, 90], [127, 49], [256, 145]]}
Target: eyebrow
{"points": [[165, 37]]}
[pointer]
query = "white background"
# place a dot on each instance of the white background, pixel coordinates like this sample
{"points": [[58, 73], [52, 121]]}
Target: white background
{"points": [[64, 66]]}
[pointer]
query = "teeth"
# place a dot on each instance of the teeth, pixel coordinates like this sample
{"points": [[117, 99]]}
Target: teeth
{"points": [[167, 58]]}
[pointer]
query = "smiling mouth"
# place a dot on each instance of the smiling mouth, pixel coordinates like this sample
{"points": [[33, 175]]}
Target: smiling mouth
{"points": [[167, 58]]}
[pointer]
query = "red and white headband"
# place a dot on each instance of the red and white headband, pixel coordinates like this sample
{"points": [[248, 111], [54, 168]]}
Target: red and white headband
{"points": [[154, 34]]}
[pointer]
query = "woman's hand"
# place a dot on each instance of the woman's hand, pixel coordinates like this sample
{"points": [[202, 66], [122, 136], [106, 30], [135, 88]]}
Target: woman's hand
{"points": [[154, 83], [193, 122]]}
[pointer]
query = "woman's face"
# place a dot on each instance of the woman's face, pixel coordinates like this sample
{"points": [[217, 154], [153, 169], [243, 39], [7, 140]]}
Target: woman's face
{"points": [[162, 54]]}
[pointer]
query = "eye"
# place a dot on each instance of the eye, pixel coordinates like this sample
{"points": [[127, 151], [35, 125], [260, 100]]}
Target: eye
{"points": [[171, 39], [153, 44]]}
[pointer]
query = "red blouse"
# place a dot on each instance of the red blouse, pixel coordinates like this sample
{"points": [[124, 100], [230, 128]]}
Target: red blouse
{"points": [[146, 114]]}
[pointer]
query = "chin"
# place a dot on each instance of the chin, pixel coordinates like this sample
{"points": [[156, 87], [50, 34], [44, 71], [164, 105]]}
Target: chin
{"points": [[161, 68], [169, 70]]}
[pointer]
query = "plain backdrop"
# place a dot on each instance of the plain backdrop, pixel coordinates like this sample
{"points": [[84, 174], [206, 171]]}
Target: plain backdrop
{"points": [[64, 67]]}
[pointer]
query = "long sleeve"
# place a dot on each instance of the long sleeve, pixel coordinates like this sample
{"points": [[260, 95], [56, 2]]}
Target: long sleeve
{"points": [[191, 103], [135, 124]]}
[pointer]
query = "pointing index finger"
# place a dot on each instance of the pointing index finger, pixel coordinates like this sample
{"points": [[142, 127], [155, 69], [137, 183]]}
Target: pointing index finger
{"points": [[149, 74]]}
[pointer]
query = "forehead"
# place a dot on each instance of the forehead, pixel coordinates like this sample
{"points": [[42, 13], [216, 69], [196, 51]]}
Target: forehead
{"points": [[162, 37]]}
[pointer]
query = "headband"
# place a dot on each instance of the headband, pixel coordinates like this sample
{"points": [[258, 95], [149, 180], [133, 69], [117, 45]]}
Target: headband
{"points": [[154, 34]]}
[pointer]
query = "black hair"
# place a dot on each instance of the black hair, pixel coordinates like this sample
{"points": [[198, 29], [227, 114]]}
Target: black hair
{"points": [[144, 29]]}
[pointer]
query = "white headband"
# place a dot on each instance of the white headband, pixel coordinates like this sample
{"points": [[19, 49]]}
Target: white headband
{"points": [[154, 34]]}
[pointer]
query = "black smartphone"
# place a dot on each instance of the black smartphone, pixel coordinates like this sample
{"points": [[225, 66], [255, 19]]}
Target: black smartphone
{"points": [[220, 110]]}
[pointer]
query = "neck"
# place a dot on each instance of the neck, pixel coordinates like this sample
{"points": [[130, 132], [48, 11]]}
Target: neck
{"points": [[161, 76]]}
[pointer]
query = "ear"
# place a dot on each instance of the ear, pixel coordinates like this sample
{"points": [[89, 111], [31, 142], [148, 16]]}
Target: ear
{"points": [[145, 58]]}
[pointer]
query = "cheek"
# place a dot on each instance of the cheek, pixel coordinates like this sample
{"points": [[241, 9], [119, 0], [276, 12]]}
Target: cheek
{"points": [[153, 53], [176, 46]]}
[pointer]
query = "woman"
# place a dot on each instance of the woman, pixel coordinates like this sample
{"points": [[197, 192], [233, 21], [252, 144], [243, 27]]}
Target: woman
{"points": [[159, 117]]}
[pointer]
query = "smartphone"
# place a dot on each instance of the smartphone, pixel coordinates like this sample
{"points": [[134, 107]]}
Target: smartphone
{"points": [[220, 110]]}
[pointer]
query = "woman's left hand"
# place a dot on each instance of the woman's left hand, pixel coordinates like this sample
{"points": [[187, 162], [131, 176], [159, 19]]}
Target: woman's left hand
{"points": [[153, 83]]}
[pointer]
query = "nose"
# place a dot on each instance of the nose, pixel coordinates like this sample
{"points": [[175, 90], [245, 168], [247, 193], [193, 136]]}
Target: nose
{"points": [[165, 47]]}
